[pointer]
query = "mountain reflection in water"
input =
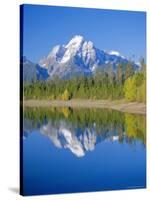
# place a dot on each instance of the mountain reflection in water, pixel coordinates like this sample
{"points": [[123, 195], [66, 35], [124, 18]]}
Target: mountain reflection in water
{"points": [[80, 130]]}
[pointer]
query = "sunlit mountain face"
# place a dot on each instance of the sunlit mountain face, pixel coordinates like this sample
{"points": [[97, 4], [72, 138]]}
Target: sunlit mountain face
{"points": [[80, 131], [77, 57]]}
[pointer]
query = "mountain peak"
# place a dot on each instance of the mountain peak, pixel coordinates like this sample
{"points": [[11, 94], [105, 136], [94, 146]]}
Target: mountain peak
{"points": [[72, 48], [55, 50], [77, 38], [75, 41], [79, 56]]}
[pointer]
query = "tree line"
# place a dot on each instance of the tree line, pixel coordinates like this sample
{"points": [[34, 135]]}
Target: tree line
{"points": [[125, 83]]}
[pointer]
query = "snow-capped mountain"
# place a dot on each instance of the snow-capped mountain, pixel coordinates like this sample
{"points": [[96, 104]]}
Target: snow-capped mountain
{"points": [[80, 57], [77, 57], [32, 71]]}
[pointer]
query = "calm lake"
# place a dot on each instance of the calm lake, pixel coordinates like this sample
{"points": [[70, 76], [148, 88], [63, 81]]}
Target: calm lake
{"points": [[69, 150]]}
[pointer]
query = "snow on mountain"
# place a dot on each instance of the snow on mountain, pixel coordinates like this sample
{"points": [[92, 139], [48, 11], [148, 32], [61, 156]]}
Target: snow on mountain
{"points": [[72, 48], [79, 56], [112, 52]]}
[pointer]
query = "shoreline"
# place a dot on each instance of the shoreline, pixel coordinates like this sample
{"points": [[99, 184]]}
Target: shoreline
{"points": [[120, 105]]}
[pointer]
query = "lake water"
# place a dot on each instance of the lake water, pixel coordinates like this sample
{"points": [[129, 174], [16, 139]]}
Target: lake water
{"points": [[69, 150]]}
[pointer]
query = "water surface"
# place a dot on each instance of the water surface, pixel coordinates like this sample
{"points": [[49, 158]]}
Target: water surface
{"points": [[79, 150]]}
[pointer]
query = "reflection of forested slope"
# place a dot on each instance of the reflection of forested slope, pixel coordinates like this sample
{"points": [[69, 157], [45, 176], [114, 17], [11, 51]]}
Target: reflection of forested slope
{"points": [[105, 123], [135, 126]]}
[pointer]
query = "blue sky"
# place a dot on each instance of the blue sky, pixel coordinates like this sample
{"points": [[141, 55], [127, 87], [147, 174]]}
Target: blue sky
{"points": [[47, 26]]}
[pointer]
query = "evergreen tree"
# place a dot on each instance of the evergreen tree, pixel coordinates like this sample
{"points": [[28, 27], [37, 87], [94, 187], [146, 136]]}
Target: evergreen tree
{"points": [[143, 65], [129, 70], [120, 73]]}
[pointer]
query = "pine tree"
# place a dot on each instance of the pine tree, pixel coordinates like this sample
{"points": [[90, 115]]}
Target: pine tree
{"points": [[120, 74], [129, 70], [143, 65]]}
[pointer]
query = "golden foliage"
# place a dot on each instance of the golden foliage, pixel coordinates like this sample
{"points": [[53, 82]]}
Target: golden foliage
{"points": [[65, 111], [65, 96]]}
